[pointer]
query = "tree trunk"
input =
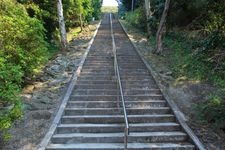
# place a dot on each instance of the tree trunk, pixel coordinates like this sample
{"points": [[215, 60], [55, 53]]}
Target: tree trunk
{"points": [[161, 29], [62, 26], [148, 15], [132, 5], [81, 22]]}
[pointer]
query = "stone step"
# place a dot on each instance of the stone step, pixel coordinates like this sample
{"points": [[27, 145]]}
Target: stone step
{"points": [[134, 86], [113, 104], [87, 77], [143, 91], [117, 119], [134, 96], [151, 92], [108, 73], [112, 128], [97, 70], [96, 86], [90, 82], [137, 78], [131, 70], [137, 137], [148, 137], [95, 92], [114, 111], [136, 73], [115, 97], [93, 98], [98, 62], [89, 128], [120, 146], [103, 66]]}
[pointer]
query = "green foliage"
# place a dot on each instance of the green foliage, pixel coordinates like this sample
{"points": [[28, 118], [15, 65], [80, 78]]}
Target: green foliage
{"points": [[22, 51], [46, 12], [195, 61], [134, 18], [212, 111], [96, 4]]}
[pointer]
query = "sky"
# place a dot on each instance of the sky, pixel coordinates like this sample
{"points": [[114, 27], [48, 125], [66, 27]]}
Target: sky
{"points": [[110, 3]]}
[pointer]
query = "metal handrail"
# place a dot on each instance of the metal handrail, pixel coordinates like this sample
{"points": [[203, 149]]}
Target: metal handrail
{"points": [[117, 75]]}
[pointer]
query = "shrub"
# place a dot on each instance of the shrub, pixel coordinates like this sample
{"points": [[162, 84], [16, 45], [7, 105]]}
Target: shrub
{"points": [[22, 51], [213, 111], [136, 18]]}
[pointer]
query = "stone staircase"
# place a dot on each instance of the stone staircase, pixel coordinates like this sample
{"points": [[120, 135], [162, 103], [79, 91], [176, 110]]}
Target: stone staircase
{"points": [[92, 119]]}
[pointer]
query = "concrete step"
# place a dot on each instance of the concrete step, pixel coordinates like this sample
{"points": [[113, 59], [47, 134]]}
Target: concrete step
{"points": [[90, 128], [90, 82], [120, 146], [96, 86], [91, 111], [115, 97], [103, 66], [113, 111], [95, 92], [98, 70], [87, 138], [92, 104], [94, 98], [138, 78], [142, 92], [143, 97], [133, 70], [96, 78], [98, 62], [96, 73], [137, 137], [136, 73], [112, 128], [152, 92], [144, 82], [134, 86], [147, 137], [113, 104], [117, 119]]}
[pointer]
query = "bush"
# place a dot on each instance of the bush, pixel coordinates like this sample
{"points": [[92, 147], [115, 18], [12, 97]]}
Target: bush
{"points": [[136, 18], [22, 51], [213, 111]]}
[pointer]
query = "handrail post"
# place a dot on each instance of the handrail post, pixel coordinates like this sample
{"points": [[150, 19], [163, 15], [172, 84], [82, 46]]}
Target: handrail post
{"points": [[125, 138]]}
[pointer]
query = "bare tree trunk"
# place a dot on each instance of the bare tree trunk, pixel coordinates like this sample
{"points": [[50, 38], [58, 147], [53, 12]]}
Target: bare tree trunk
{"points": [[148, 15], [62, 25], [161, 28], [132, 5], [81, 22]]}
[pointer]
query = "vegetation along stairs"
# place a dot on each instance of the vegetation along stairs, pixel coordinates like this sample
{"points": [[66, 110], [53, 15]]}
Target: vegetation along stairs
{"points": [[94, 118]]}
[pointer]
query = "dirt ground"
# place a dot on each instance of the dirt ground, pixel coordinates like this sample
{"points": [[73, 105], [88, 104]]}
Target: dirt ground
{"points": [[183, 92], [42, 98]]}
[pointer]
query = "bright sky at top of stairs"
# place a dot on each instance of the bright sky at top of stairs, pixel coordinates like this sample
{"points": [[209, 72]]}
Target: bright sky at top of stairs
{"points": [[110, 3]]}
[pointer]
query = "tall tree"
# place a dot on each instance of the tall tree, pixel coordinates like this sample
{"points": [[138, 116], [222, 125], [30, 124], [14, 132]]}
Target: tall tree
{"points": [[161, 29], [148, 13], [62, 26]]}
